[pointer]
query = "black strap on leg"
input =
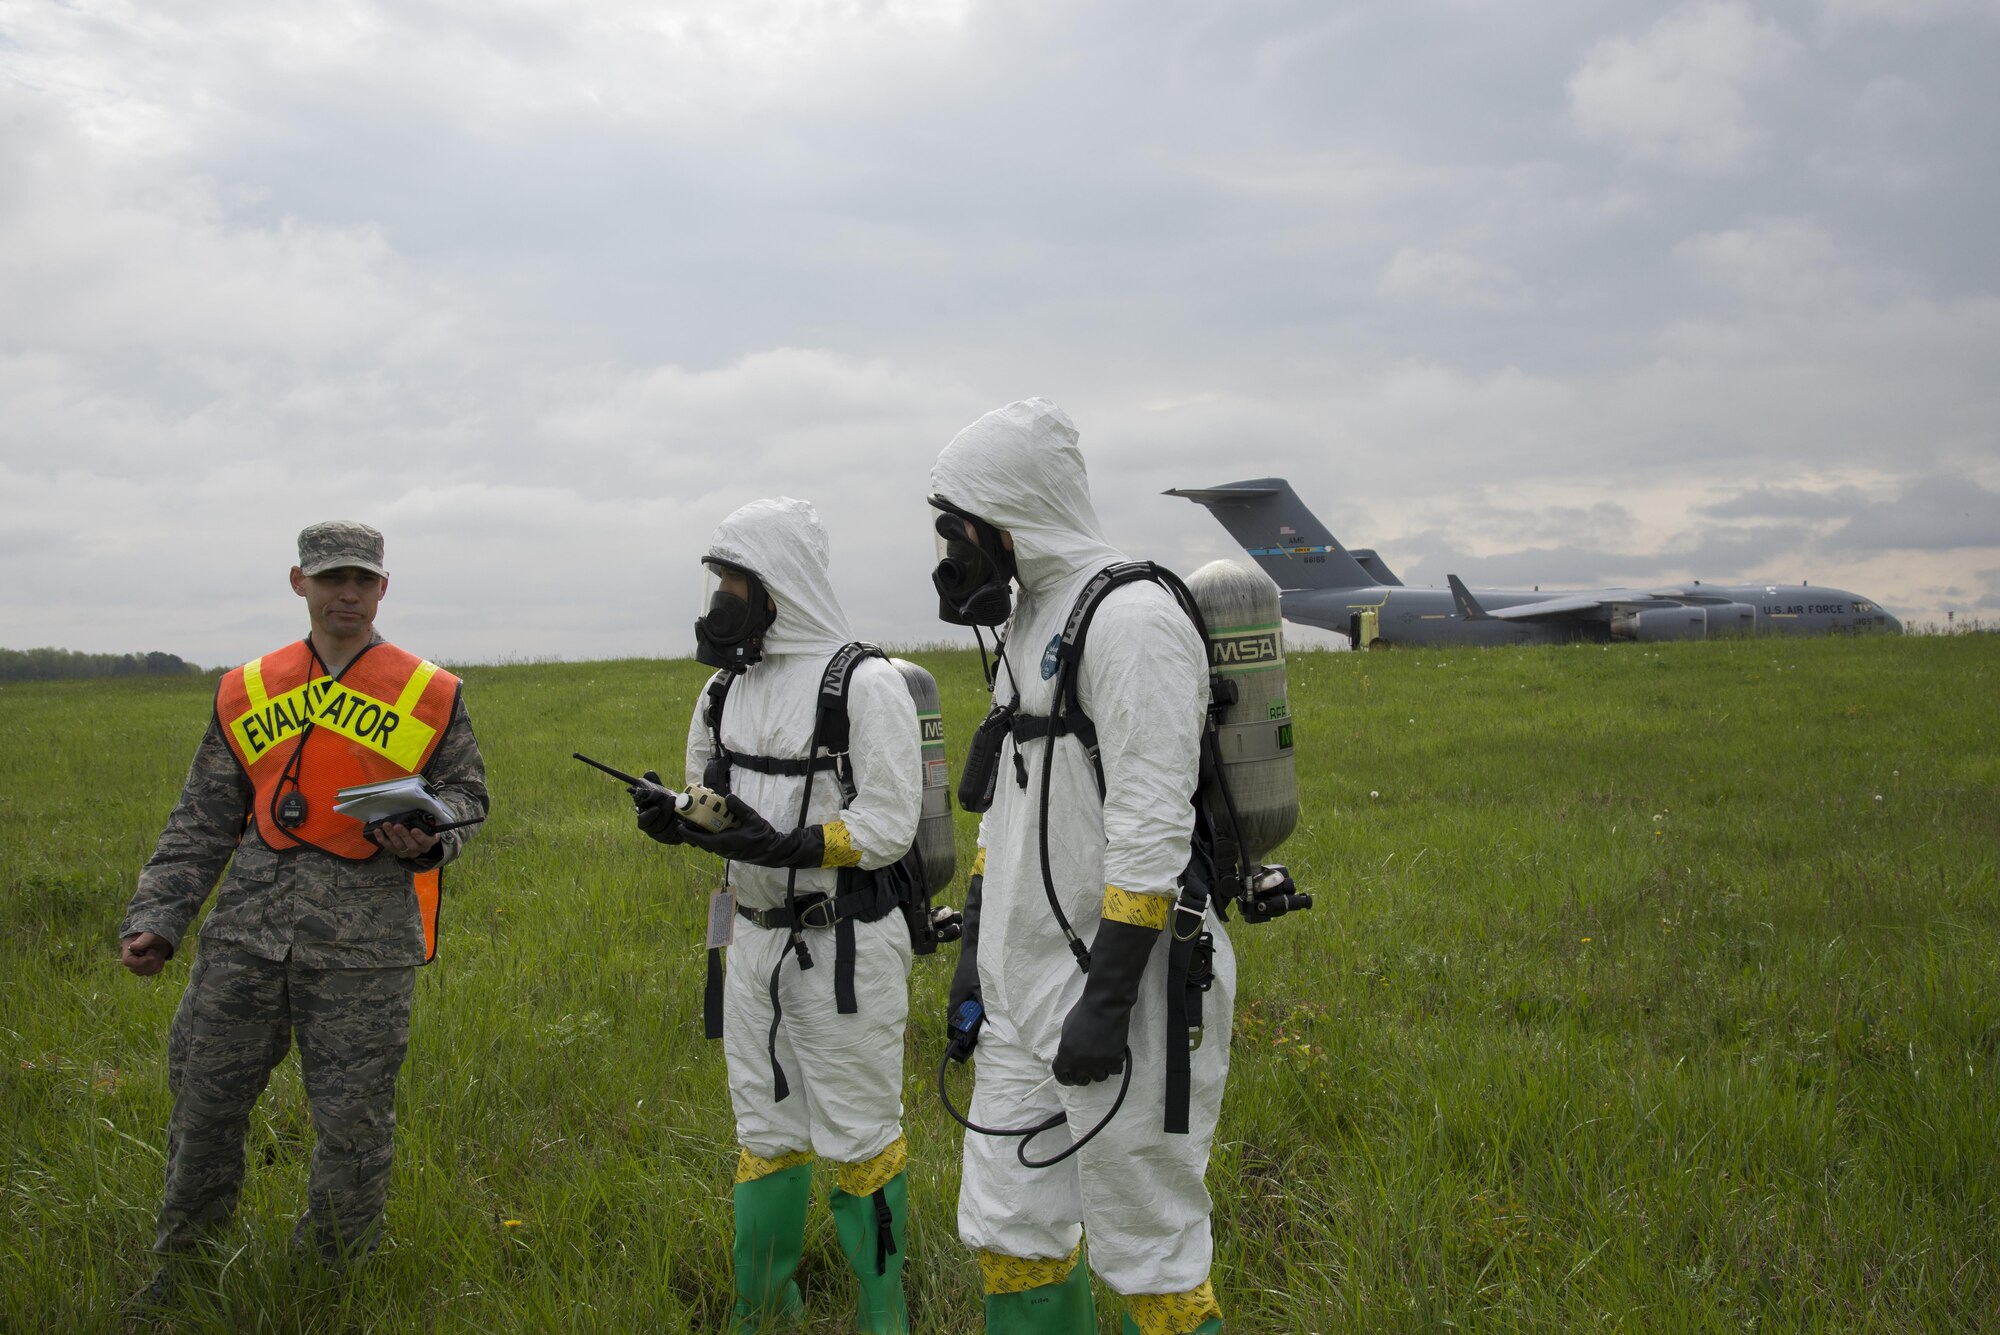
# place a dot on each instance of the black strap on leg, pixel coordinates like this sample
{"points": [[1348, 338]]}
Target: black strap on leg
{"points": [[711, 996], [843, 967], [1190, 972], [885, 1231], [780, 1090], [846, 881], [1179, 1075]]}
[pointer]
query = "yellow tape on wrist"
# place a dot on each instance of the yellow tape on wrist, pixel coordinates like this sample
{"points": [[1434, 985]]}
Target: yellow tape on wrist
{"points": [[750, 1167], [1139, 910], [1173, 1313], [839, 850], [871, 1175], [1017, 1274]]}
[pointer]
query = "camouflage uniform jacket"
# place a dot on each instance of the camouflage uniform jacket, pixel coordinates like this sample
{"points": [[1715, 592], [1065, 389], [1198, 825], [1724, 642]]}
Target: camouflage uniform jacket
{"points": [[322, 911]]}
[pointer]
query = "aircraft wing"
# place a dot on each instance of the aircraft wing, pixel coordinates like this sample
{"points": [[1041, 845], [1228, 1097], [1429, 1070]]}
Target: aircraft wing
{"points": [[1563, 607], [1555, 609], [1684, 594]]}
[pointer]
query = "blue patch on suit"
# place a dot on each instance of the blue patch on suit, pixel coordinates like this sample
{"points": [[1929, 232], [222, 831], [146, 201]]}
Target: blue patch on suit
{"points": [[1051, 659]]}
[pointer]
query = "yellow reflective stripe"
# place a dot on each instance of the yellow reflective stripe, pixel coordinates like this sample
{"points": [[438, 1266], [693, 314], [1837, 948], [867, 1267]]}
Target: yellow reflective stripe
{"points": [[253, 682], [750, 1167], [1139, 910], [1017, 1274], [871, 1175], [413, 690], [325, 703], [979, 863], [840, 850], [1174, 1313]]}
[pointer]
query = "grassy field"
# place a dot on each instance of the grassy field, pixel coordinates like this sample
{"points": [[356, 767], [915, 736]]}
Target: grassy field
{"points": [[1647, 990]]}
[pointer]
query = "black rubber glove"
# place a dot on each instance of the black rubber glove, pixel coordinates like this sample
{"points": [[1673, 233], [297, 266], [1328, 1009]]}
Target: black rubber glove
{"points": [[755, 840], [655, 804], [1094, 1035], [965, 974]]}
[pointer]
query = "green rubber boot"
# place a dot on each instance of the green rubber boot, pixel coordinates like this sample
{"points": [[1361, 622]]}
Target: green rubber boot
{"points": [[1212, 1326], [770, 1235], [871, 1231], [1065, 1308]]}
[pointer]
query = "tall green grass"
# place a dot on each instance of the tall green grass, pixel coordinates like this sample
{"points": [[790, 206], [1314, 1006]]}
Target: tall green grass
{"points": [[1647, 989]]}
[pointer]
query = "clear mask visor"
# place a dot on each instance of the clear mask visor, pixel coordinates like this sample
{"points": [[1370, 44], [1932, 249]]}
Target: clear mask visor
{"points": [[730, 621], [948, 530]]}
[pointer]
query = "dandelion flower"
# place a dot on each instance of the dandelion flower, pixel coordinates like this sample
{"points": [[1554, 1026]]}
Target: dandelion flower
{"points": [[510, 1223], [1584, 939]]}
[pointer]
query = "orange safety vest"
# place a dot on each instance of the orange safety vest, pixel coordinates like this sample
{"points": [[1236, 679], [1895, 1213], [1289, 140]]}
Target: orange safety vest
{"points": [[297, 731]]}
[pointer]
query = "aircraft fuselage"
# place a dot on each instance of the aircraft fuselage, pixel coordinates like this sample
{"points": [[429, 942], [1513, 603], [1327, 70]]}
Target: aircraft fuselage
{"points": [[1427, 616]]}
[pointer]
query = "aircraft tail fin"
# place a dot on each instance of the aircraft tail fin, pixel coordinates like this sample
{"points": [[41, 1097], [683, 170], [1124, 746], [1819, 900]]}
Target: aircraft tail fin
{"points": [[1285, 539], [1468, 606], [1375, 565]]}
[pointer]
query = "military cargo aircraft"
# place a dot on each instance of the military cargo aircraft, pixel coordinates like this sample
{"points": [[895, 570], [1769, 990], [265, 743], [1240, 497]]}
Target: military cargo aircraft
{"points": [[1351, 592]]}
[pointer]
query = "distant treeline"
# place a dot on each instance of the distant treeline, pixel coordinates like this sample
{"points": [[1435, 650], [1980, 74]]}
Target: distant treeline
{"points": [[69, 665]]}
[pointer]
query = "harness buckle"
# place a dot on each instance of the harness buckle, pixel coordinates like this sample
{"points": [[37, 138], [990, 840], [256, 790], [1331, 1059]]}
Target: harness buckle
{"points": [[1200, 916]]}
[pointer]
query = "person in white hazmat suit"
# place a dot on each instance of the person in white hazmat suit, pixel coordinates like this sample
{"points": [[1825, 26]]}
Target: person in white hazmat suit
{"points": [[1014, 503], [805, 1079]]}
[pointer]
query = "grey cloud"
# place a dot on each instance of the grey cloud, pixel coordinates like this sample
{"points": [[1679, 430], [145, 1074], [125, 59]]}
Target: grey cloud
{"points": [[1736, 555], [1935, 514], [1787, 503], [1680, 91]]}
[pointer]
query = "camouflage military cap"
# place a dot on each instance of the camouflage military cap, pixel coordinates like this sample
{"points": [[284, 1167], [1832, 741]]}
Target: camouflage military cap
{"points": [[337, 543]]}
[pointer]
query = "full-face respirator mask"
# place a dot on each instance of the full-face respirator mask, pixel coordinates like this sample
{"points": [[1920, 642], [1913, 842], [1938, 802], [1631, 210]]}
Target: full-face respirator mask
{"points": [[973, 570], [730, 633]]}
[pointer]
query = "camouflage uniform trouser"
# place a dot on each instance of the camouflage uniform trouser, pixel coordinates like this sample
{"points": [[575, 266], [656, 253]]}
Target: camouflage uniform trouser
{"points": [[236, 1021]]}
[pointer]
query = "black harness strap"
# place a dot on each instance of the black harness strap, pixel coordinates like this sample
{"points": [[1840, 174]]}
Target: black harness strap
{"points": [[796, 767], [1190, 972], [866, 904], [711, 996], [844, 1000]]}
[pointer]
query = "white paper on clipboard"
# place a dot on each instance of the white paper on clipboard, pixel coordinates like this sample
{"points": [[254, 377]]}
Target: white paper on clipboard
{"points": [[391, 797]]}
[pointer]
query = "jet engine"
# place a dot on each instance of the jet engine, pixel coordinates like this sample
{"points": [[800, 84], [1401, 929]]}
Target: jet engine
{"points": [[1709, 621]]}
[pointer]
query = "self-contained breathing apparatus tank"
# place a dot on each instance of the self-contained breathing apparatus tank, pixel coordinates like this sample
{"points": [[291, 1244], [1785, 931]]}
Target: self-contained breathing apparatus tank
{"points": [[1253, 731], [1257, 804], [936, 849]]}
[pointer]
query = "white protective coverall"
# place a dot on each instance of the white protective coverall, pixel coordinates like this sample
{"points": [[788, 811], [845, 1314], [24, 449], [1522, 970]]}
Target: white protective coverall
{"points": [[1136, 1190], [845, 1071]]}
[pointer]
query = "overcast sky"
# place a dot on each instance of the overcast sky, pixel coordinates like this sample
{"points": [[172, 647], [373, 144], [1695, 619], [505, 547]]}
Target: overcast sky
{"points": [[1561, 293]]}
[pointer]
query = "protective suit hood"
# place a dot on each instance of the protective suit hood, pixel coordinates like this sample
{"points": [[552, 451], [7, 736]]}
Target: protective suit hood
{"points": [[783, 542], [1019, 469]]}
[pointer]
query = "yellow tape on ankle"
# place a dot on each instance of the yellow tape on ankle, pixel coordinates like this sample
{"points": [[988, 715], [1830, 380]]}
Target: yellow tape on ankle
{"points": [[871, 1175], [750, 1167], [1017, 1274], [1173, 1313]]}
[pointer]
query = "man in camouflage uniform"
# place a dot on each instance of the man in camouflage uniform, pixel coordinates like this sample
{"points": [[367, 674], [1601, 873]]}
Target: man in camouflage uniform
{"points": [[301, 943]]}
